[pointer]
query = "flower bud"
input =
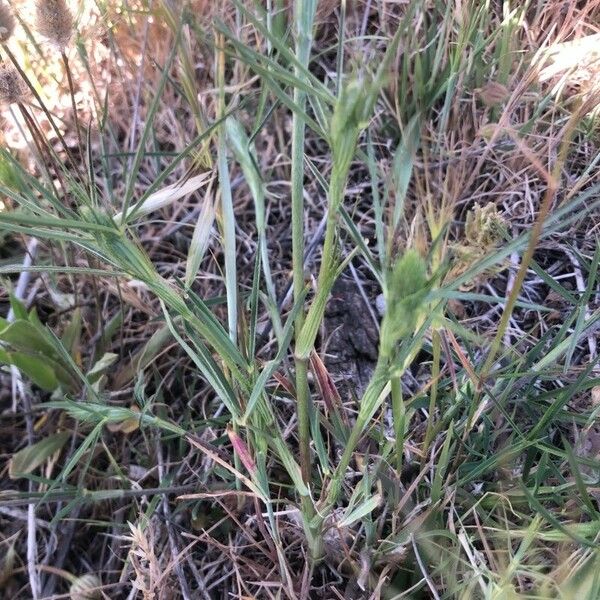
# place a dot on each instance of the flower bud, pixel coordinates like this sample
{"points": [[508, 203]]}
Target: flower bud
{"points": [[7, 23], [55, 22], [12, 87]]}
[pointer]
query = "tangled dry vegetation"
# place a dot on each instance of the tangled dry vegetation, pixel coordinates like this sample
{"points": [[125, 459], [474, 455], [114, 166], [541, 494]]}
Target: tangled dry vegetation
{"points": [[299, 299]]}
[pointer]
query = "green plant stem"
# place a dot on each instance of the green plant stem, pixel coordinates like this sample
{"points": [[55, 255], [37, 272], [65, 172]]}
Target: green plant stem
{"points": [[329, 262], [398, 415], [227, 214], [302, 389], [303, 396], [435, 373], [303, 44], [313, 529], [303, 16]]}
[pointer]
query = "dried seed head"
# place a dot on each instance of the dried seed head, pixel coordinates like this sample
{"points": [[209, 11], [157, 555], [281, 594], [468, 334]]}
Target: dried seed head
{"points": [[493, 93], [54, 21], [485, 226], [86, 587], [12, 86], [7, 23]]}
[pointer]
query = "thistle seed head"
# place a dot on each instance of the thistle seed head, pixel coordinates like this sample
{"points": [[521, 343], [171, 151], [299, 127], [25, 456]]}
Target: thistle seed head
{"points": [[54, 21], [12, 87], [7, 23]]}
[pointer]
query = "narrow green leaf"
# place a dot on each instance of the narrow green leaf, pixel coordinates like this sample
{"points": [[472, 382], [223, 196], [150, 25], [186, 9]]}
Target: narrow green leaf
{"points": [[204, 361], [88, 442], [291, 466], [403, 166], [200, 238], [580, 325], [363, 509], [272, 366]]}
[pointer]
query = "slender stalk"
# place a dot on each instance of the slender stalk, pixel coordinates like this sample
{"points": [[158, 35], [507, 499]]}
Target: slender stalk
{"points": [[73, 103], [228, 222], [227, 215], [82, 150], [435, 374], [398, 414], [303, 17], [32, 89], [303, 397], [329, 262], [39, 142]]}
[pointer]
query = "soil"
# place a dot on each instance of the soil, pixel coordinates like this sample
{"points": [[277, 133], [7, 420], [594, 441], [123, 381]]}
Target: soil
{"points": [[351, 339]]}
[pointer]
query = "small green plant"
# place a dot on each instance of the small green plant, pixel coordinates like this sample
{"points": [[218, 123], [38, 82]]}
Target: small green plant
{"points": [[452, 469], [31, 347]]}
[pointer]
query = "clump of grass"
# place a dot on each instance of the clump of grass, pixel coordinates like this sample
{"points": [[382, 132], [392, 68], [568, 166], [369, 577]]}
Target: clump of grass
{"points": [[452, 473]]}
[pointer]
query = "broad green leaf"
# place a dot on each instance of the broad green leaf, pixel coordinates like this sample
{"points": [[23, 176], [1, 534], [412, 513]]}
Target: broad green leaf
{"points": [[30, 458], [19, 309], [71, 337], [37, 369], [25, 336]]}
